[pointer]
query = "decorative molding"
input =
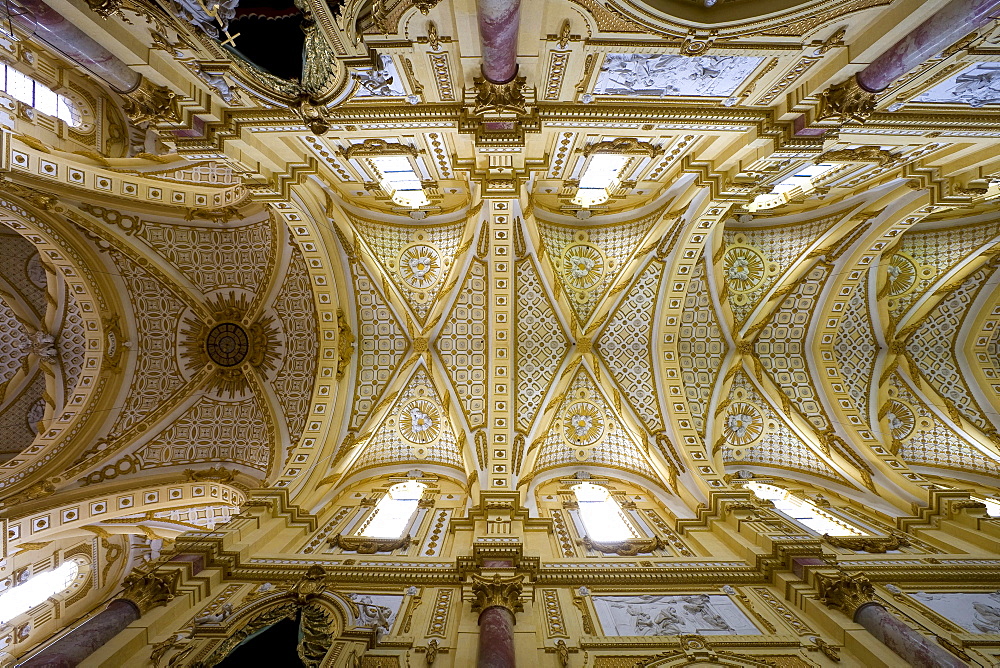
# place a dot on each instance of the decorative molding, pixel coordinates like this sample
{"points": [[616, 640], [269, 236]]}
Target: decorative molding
{"points": [[497, 592], [367, 545], [147, 589], [625, 548], [845, 592], [872, 544]]}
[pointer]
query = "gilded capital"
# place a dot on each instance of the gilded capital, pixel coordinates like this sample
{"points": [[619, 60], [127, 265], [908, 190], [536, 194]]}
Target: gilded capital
{"points": [[502, 592], [847, 101], [847, 593], [149, 589]]}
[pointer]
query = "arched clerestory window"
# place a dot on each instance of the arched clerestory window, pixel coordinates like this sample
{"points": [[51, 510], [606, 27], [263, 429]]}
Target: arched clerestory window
{"points": [[36, 590], [394, 510], [804, 512], [603, 518]]}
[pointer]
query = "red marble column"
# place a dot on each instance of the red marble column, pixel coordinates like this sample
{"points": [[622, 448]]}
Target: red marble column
{"points": [[949, 24], [914, 648], [496, 638], [87, 638], [498, 25], [53, 28]]}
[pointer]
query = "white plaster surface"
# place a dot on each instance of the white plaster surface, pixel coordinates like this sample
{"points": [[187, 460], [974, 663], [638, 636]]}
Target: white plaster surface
{"points": [[377, 610], [385, 82], [976, 612], [975, 86], [660, 74], [656, 615]]}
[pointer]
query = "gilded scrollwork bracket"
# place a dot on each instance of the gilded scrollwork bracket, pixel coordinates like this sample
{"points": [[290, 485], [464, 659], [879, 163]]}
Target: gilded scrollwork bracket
{"points": [[367, 545], [625, 548], [872, 544]]}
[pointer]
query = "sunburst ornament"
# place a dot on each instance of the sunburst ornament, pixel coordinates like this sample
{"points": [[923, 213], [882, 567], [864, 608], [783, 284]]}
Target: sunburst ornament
{"points": [[745, 269], [583, 266], [420, 266], [743, 424], [584, 424], [420, 421], [900, 419], [228, 345]]}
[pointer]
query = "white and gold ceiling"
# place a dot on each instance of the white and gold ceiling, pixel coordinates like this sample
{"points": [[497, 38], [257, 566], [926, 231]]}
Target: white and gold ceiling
{"points": [[245, 293]]}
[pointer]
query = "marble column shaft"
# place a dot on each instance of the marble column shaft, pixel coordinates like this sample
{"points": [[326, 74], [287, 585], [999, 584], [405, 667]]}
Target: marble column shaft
{"points": [[914, 648], [496, 638], [948, 25], [498, 26], [87, 638], [53, 28]]}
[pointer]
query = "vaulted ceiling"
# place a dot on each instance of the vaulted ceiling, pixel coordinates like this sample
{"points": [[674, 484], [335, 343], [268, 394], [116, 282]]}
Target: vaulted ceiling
{"points": [[370, 269]]}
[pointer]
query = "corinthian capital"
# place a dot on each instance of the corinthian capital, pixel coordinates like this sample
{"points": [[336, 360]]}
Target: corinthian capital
{"points": [[847, 593], [502, 592], [149, 589]]}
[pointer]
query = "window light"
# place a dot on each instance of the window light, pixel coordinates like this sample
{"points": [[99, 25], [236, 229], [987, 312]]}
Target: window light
{"points": [[791, 186], [602, 515], [992, 505], [394, 510], [601, 173], [24, 597], [24, 89], [399, 178], [803, 511]]}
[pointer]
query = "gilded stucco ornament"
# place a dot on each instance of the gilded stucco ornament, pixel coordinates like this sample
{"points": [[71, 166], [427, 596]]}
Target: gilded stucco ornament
{"points": [[369, 545], [875, 154], [846, 593], [507, 96], [846, 102], [743, 424], [625, 548], [420, 266], [420, 421], [150, 103], [148, 590], [311, 585], [871, 544], [584, 424], [345, 343], [497, 592]]}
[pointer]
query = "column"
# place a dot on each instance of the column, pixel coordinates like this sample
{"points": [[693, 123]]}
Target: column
{"points": [[854, 595], [497, 600], [951, 23], [72, 42], [143, 592], [498, 25]]}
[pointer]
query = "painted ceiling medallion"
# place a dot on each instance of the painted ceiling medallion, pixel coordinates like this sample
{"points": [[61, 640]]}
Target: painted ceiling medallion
{"points": [[583, 266], [420, 421], [902, 274], [227, 344], [420, 266], [744, 424], [901, 420], [584, 424], [744, 268]]}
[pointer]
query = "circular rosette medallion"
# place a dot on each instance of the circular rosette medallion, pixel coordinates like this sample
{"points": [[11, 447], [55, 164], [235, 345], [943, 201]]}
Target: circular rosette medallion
{"points": [[420, 421], [744, 268], [584, 424], [744, 424], [227, 344], [583, 266], [900, 419], [420, 266], [902, 273]]}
